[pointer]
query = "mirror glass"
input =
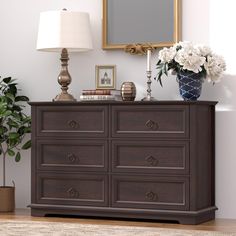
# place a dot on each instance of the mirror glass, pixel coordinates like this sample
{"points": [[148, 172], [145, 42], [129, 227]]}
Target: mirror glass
{"points": [[140, 21]]}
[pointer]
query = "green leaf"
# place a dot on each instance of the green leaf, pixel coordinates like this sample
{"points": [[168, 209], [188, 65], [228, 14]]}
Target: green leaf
{"points": [[165, 69], [12, 123], [3, 130], [6, 113], [18, 157], [12, 89], [17, 116], [21, 130], [2, 140], [159, 79], [27, 130], [27, 145], [10, 152], [7, 80], [21, 98], [10, 96], [12, 142], [13, 135], [160, 83], [27, 120], [16, 108]]}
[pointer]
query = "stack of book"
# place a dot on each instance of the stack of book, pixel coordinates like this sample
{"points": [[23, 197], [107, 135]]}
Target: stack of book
{"points": [[100, 94]]}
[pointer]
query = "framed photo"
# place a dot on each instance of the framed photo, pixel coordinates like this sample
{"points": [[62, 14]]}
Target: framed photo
{"points": [[105, 76]]}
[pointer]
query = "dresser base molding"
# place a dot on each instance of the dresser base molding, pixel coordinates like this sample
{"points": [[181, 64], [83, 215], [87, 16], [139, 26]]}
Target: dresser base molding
{"points": [[183, 217]]}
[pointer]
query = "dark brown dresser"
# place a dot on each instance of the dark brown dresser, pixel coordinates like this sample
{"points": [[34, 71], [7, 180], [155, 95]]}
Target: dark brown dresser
{"points": [[147, 160]]}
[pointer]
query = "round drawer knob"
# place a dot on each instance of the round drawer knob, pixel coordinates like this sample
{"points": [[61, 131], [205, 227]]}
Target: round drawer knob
{"points": [[151, 196], [152, 161], [73, 124], [150, 124], [72, 158], [72, 193]]}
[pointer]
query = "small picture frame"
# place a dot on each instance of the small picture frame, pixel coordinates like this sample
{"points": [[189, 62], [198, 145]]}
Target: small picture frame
{"points": [[105, 76]]}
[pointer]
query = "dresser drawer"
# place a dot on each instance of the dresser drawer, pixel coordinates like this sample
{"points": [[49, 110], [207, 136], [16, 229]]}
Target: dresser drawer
{"points": [[150, 121], [79, 155], [150, 192], [72, 189], [84, 121], [150, 156]]}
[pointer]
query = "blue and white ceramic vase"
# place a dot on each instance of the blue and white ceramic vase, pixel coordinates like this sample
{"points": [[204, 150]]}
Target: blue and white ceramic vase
{"points": [[190, 85]]}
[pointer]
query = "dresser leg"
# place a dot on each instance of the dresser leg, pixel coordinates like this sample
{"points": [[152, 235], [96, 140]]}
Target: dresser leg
{"points": [[198, 219], [37, 213]]}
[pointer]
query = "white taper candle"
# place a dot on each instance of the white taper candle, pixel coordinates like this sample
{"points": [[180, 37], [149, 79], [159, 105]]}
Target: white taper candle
{"points": [[149, 60]]}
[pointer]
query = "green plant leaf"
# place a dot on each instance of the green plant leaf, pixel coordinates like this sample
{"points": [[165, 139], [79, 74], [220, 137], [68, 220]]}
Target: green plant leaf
{"points": [[10, 152], [3, 130], [21, 98], [18, 157], [12, 123], [16, 115], [16, 108], [12, 142], [21, 130], [12, 89], [27, 145], [10, 96], [6, 113], [27, 130], [13, 135], [7, 80], [2, 140], [159, 78], [26, 120], [165, 69]]}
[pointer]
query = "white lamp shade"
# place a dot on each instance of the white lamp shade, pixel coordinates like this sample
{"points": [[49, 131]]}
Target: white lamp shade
{"points": [[64, 29]]}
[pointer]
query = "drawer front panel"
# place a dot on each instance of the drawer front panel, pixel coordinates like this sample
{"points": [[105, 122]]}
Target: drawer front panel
{"points": [[72, 189], [150, 121], [90, 121], [150, 192], [84, 155], [150, 156]]}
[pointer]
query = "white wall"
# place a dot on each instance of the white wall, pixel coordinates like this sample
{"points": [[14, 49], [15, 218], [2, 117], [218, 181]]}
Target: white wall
{"points": [[223, 38], [204, 21]]}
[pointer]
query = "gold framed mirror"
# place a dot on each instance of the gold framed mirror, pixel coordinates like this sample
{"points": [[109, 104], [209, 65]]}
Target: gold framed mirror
{"points": [[137, 22]]}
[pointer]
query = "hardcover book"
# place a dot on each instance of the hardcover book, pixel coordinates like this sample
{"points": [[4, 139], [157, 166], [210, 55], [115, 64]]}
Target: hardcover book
{"points": [[96, 97], [96, 92]]}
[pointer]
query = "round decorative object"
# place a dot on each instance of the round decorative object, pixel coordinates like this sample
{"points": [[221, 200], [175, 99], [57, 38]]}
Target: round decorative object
{"points": [[190, 85], [128, 91]]}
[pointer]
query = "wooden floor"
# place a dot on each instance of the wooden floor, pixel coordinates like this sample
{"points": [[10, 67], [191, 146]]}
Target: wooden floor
{"points": [[225, 225]]}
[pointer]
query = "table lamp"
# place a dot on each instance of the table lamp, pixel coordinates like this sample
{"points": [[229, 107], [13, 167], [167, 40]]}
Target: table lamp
{"points": [[64, 31]]}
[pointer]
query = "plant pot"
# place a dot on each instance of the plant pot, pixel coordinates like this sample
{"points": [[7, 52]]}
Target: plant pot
{"points": [[190, 85], [7, 199]]}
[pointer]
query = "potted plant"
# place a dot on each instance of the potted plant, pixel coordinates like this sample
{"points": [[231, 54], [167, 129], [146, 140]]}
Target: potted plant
{"points": [[14, 125], [192, 64]]}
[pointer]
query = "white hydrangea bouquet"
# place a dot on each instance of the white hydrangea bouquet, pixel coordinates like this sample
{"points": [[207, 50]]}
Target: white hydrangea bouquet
{"points": [[185, 57]]}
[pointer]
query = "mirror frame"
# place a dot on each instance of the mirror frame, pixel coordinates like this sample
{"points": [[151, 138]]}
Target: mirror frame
{"points": [[176, 34]]}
